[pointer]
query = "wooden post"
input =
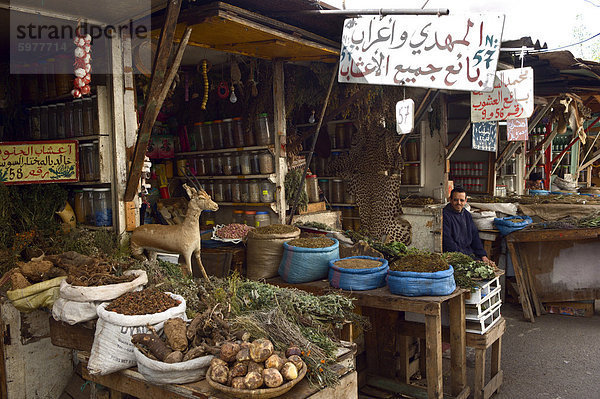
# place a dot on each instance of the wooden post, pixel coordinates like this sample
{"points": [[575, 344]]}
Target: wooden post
{"points": [[433, 332], [523, 295], [458, 339], [280, 136], [153, 104]]}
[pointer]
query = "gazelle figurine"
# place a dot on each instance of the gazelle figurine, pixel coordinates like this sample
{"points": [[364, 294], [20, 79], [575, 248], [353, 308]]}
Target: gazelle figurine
{"points": [[183, 238]]}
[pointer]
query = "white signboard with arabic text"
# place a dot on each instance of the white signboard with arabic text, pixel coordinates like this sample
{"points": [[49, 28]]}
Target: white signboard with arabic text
{"points": [[512, 97], [456, 52], [517, 129]]}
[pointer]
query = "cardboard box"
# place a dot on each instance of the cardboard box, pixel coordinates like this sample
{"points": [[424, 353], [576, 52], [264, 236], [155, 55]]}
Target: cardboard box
{"points": [[581, 309]]}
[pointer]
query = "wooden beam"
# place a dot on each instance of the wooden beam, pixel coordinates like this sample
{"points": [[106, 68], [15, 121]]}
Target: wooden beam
{"points": [[433, 342], [539, 156], [280, 136], [594, 158], [536, 119], [159, 70], [454, 145], [521, 284], [458, 339]]}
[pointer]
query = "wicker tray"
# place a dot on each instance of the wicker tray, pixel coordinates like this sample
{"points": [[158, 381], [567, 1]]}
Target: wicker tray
{"points": [[263, 393]]}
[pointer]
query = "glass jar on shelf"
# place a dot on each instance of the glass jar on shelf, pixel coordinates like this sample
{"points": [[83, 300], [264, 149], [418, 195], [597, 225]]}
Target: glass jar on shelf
{"points": [[218, 162], [267, 192], [60, 121], [227, 133], [227, 164], [337, 191], [52, 121], [95, 160], [69, 132], [88, 117], [86, 171], [324, 186], [346, 218], [265, 161], [78, 118], [227, 190], [254, 163], [102, 207], [238, 216], [249, 218], [264, 136], [199, 164], [262, 218], [254, 191], [208, 218], [95, 115], [244, 193], [236, 191], [238, 132], [312, 188], [194, 136], [88, 205], [235, 164], [245, 167], [340, 135], [348, 130], [217, 134], [209, 187], [218, 191], [34, 123], [207, 133]]}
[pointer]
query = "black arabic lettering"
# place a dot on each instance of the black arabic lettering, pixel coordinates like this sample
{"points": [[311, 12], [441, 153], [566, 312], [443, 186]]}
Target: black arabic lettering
{"points": [[424, 34], [403, 38]]}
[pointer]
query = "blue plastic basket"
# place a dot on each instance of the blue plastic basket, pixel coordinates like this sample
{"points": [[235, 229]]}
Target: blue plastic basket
{"points": [[421, 283], [301, 265], [539, 192], [358, 279]]}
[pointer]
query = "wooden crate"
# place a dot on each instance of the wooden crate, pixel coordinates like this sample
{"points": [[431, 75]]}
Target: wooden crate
{"points": [[313, 207]]}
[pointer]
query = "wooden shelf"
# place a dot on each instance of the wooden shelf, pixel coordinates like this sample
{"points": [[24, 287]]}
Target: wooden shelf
{"points": [[223, 150], [88, 183], [232, 177], [352, 205]]}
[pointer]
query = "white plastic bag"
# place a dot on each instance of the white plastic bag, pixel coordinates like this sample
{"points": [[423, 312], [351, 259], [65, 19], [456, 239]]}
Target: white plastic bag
{"points": [[484, 220], [73, 312], [171, 373], [112, 349]]}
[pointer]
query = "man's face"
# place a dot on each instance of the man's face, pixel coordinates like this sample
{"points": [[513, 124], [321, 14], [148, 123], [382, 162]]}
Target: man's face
{"points": [[458, 201]]}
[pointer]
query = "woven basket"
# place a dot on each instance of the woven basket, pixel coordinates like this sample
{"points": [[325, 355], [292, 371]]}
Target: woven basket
{"points": [[262, 393]]}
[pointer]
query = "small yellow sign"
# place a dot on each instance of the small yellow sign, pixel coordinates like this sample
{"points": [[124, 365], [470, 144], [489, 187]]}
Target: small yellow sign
{"points": [[39, 162]]}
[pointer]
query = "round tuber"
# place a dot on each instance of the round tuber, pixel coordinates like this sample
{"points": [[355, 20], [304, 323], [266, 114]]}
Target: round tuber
{"points": [[253, 380], [272, 377], [174, 357], [238, 383], [297, 361], [215, 361], [253, 366], [260, 350], [289, 371], [274, 362], [239, 369], [219, 374], [293, 350], [228, 351], [243, 355]]}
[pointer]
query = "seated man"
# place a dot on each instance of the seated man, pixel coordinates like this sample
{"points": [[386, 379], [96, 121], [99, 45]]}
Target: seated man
{"points": [[535, 182], [460, 233]]}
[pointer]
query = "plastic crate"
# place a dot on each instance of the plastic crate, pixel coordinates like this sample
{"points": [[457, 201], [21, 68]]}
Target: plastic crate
{"points": [[485, 288], [482, 325], [484, 307]]}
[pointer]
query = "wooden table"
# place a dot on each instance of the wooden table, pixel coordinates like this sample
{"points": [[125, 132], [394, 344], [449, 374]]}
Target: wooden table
{"points": [[549, 267], [430, 306]]}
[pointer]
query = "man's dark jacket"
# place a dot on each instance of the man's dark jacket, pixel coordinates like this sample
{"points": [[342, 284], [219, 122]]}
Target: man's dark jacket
{"points": [[460, 233]]}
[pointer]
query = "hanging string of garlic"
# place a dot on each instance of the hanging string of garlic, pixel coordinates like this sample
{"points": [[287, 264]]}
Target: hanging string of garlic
{"points": [[82, 64], [205, 77]]}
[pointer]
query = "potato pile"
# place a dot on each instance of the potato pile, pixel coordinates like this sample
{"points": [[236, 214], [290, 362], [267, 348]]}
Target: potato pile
{"points": [[253, 365]]}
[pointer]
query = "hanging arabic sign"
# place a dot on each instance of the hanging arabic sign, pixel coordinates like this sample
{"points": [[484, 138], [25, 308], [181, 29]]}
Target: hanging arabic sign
{"points": [[458, 52], [512, 97], [405, 116], [484, 136], [36, 162], [516, 129]]}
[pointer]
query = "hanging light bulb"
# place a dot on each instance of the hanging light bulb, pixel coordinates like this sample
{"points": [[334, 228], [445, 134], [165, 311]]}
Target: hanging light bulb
{"points": [[232, 97], [311, 118]]}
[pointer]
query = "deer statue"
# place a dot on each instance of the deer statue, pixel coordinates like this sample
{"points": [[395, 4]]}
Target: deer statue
{"points": [[183, 238]]}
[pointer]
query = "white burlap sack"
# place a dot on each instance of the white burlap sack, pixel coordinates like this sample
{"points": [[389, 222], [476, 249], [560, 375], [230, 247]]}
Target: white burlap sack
{"points": [[484, 220], [102, 293], [77, 304], [158, 372], [112, 349]]}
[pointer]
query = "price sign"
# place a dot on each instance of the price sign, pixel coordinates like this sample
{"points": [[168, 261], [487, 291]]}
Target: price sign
{"points": [[405, 116], [516, 129]]}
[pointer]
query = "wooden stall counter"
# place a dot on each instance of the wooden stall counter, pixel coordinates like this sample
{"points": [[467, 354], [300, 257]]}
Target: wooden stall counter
{"points": [[382, 342]]}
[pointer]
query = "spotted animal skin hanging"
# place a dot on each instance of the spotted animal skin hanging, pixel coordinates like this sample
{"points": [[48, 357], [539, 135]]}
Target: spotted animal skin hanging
{"points": [[82, 64]]}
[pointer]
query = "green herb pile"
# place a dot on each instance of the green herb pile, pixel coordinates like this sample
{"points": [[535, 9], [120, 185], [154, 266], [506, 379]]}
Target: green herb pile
{"points": [[421, 261], [315, 225], [391, 250], [467, 269]]}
